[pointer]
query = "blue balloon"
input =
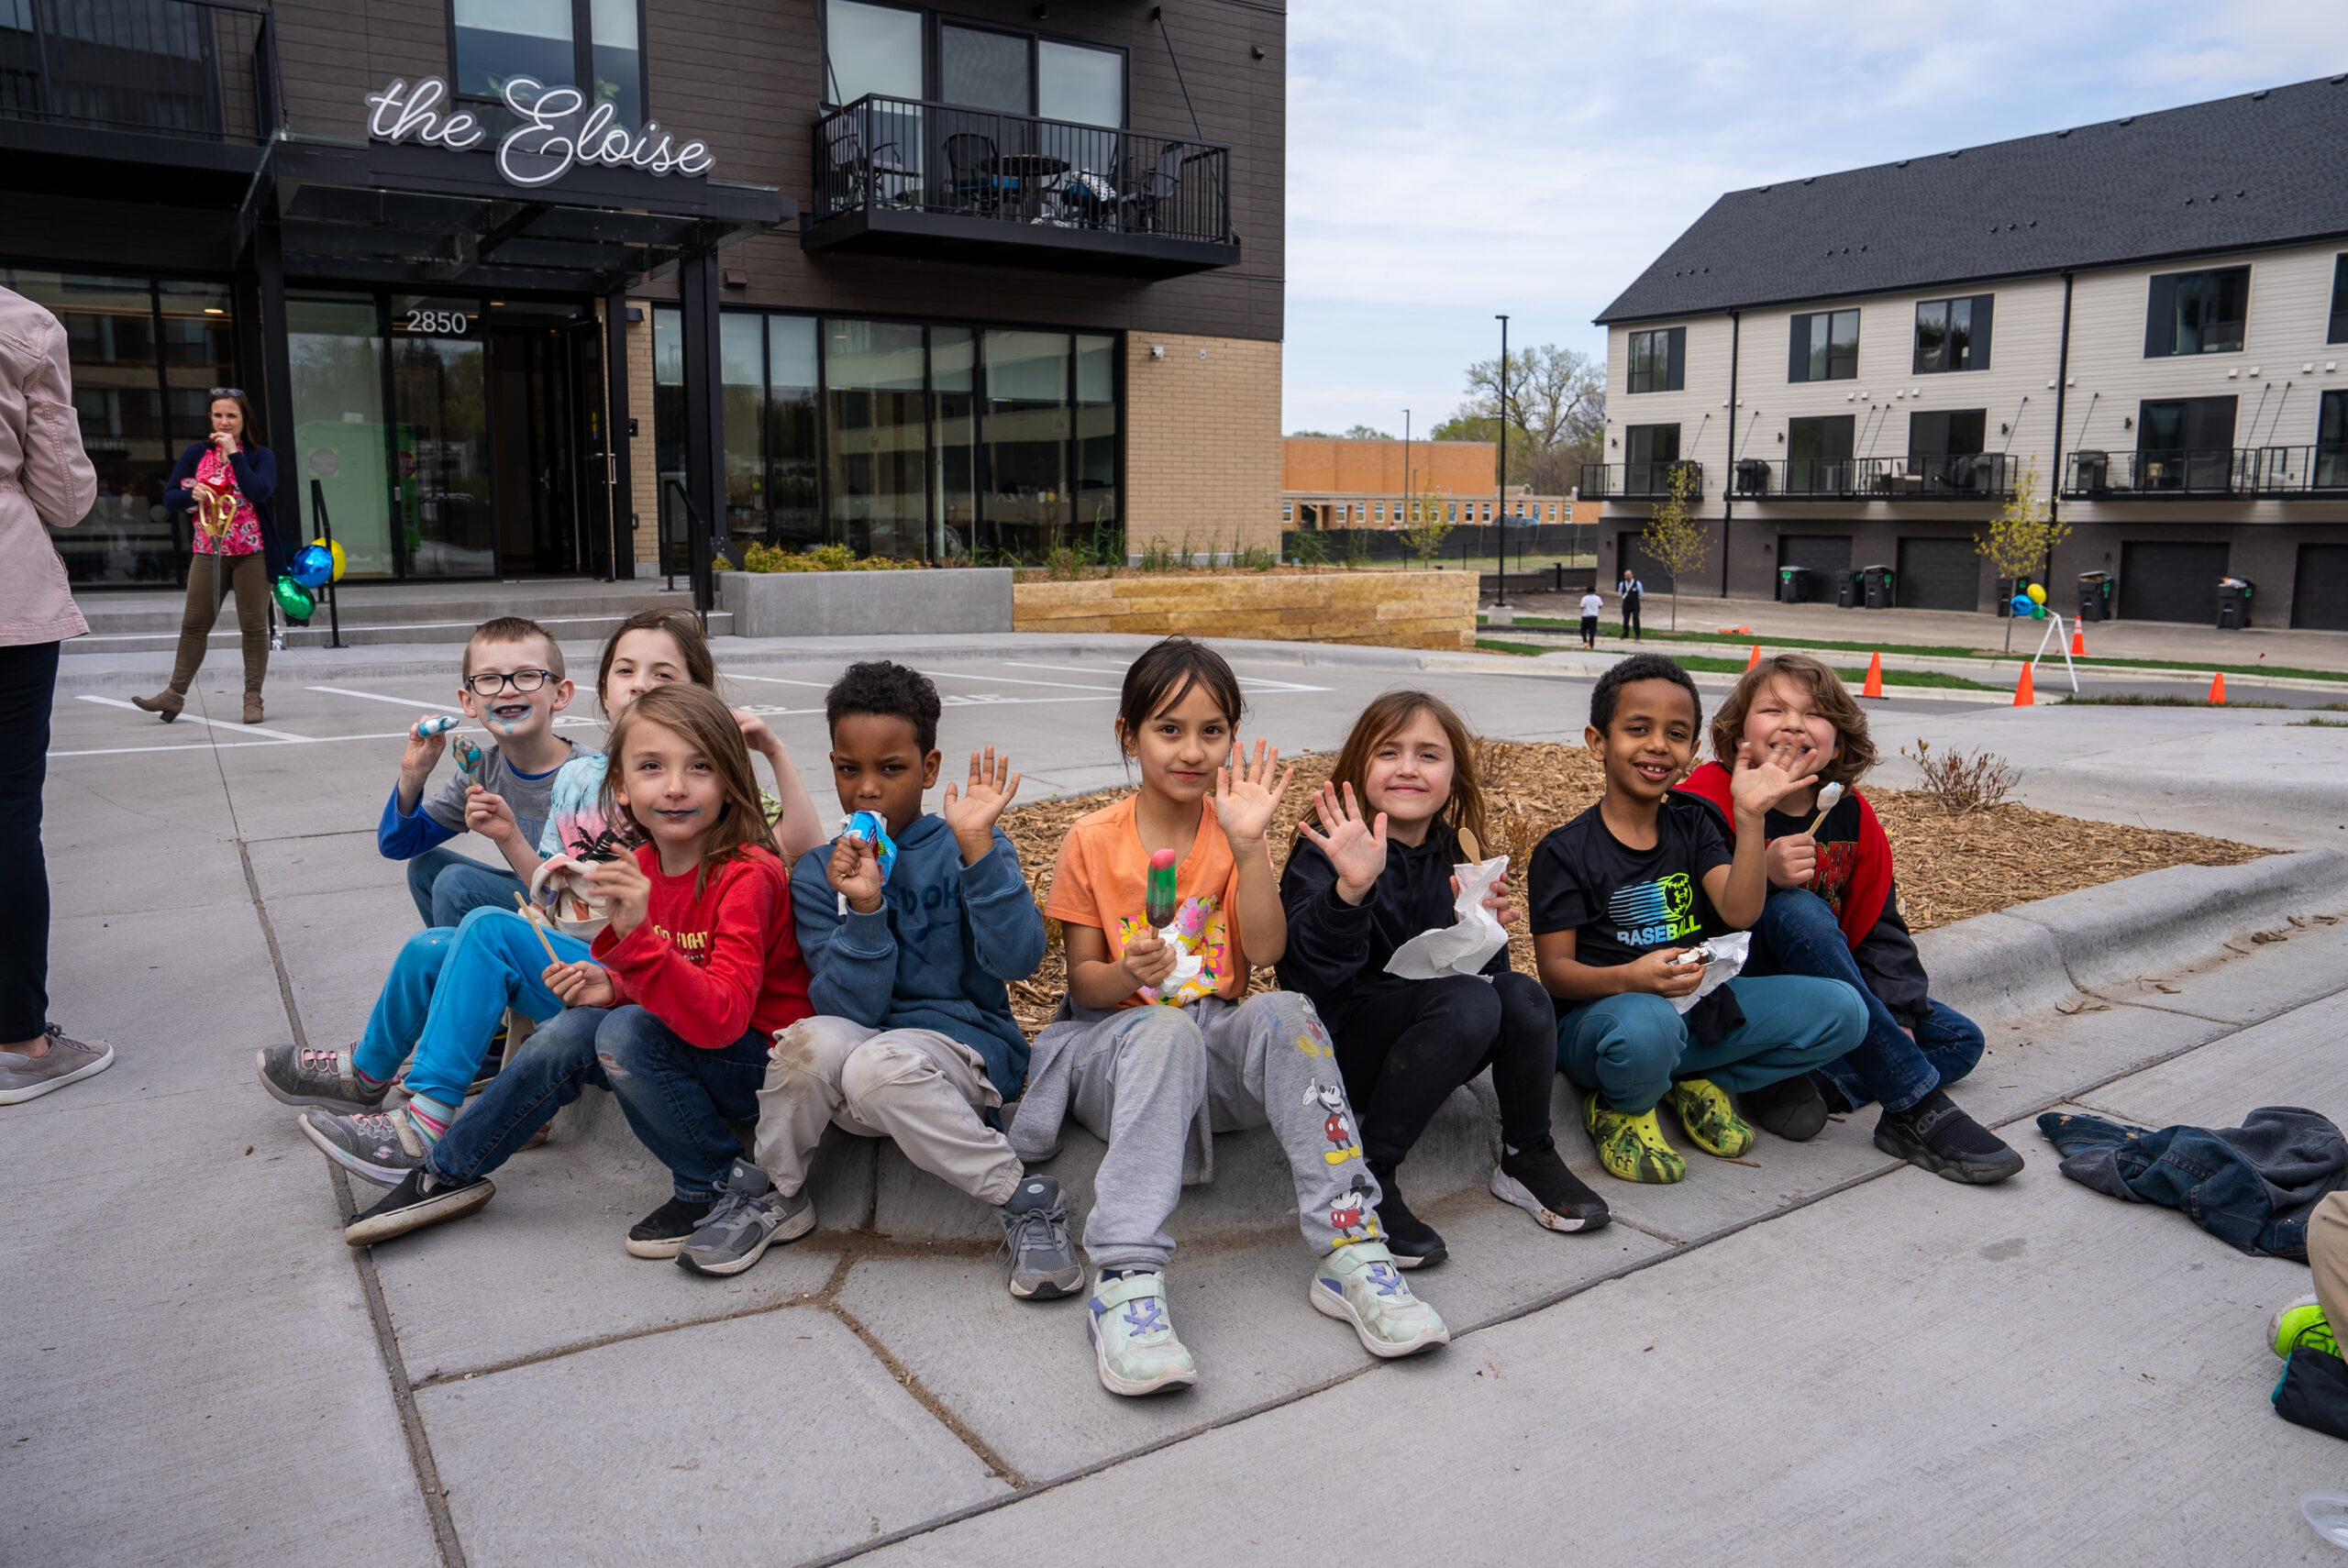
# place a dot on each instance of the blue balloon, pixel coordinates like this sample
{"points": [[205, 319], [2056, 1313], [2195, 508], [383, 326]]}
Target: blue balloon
{"points": [[311, 567], [2022, 604]]}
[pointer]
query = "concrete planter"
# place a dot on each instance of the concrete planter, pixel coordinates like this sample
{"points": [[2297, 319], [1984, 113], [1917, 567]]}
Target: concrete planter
{"points": [[1385, 609], [864, 603]]}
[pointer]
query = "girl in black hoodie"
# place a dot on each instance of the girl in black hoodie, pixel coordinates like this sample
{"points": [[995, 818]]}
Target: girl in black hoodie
{"points": [[1356, 888]]}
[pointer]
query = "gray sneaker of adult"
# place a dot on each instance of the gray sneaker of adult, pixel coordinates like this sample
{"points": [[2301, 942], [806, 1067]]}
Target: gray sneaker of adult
{"points": [[302, 1075], [67, 1061], [380, 1146], [750, 1217], [1035, 1241]]}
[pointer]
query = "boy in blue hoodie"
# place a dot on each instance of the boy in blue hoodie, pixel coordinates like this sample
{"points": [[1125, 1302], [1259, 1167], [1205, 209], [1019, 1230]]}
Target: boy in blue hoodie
{"points": [[912, 942]]}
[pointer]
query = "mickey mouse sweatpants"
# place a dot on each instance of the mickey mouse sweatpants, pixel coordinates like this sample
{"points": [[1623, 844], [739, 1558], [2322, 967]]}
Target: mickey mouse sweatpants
{"points": [[1156, 1082]]}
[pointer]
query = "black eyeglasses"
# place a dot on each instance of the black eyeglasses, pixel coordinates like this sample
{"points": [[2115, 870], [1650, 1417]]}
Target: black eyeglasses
{"points": [[225, 391], [490, 685]]}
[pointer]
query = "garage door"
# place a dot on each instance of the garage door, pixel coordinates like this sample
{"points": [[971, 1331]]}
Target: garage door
{"points": [[2170, 582], [1828, 553], [2319, 596], [1939, 574], [1650, 571]]}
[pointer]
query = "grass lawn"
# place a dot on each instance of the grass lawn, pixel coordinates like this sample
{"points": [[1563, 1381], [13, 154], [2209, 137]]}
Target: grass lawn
{"points": [[1737, 666]]}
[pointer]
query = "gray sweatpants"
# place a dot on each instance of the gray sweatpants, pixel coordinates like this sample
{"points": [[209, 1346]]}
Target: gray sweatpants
{"points": [[1141, 1078], [924, 1090]]}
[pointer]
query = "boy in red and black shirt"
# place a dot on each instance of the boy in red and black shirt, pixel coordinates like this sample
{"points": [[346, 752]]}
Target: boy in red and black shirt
{"points": [[1833, 911]]}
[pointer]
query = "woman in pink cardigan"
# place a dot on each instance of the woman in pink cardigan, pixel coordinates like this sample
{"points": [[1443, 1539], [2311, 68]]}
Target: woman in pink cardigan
{"points": [[45, 477]]}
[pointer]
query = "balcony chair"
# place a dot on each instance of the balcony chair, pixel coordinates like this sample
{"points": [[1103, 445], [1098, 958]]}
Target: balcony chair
{"points": [[858, 170], [972, 184], [1157, 188]]}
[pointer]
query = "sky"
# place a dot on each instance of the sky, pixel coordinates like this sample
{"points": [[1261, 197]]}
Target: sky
{"points": [[1448, 160]]}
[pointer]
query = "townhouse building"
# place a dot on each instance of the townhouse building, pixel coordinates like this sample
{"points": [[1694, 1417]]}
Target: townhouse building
{"points": [[602, 287], [2146, 319]]}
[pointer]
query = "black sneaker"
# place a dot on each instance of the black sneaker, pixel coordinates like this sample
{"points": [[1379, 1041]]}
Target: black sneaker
{"points": [[1934, 1135], [1411, 1240], [663, 1232], [1537, 1181], [1794, 1109], [419, 1200]]}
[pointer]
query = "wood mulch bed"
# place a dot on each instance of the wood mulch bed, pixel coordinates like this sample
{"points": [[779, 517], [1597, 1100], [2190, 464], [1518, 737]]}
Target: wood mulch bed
{"points": [[1950, 868]]}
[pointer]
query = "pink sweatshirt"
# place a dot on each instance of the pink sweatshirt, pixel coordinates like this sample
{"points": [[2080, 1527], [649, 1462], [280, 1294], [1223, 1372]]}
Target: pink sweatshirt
{"points": [[45, 477]]}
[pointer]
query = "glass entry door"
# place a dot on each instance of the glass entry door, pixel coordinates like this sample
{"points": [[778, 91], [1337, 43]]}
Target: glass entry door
{"points": [[441, 467]]}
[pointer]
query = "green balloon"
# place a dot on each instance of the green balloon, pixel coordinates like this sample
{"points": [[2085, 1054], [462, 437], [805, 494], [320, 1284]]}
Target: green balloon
{"points": [[294, 599]]}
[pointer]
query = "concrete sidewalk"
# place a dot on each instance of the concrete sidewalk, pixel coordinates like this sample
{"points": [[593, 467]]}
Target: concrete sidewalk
{"points": [[205, 1373]]}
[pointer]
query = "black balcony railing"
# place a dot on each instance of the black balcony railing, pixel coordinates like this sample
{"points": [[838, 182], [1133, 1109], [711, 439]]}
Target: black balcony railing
{"points": [[1638, 481], [1986, 476], [2248, 472], [182, 68], [904, 155]]}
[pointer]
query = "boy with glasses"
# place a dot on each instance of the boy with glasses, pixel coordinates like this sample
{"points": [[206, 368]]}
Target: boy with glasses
{"points": [[512, 687]]}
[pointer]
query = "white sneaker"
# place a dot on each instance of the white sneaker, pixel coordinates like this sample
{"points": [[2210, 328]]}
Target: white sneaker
{"points": [[1132, 1343], [1360, 1283]]}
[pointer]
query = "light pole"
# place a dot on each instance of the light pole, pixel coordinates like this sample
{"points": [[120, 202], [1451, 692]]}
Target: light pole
{"points": [[1500, 601], [1406, 462]]}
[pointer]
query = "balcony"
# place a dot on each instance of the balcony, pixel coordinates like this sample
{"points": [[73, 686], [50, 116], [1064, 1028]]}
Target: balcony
{"points": [[902, 177], [1986, 476], [2246, 472], [1638, 481]]}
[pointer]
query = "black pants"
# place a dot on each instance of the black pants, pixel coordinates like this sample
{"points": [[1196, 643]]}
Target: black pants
{"points": [[1590, 631], [27, 684], [1631, 615], [1403, 1055]]}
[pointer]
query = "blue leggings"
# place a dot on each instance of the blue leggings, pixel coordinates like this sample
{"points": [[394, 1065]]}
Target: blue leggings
{"points": [[448, 990], [1629, 1048]]}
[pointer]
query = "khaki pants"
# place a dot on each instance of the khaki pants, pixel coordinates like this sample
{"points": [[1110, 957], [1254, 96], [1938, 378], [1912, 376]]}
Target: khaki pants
{"points": [[207, 584], [923, 1090], [2328, 1256]]}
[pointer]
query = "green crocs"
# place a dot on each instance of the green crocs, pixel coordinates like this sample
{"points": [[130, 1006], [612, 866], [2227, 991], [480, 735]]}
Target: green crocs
{"points": [[1631, 1146], [1711, 1122]]}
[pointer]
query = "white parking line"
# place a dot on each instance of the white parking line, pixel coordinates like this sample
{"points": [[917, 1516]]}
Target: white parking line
{"points": [[226, 745], [194, 719], [1009, 681], [1266, 682], [435, 706]]}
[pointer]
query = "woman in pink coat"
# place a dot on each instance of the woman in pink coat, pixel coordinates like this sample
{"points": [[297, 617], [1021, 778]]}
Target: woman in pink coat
{"points": [[45, 477]]}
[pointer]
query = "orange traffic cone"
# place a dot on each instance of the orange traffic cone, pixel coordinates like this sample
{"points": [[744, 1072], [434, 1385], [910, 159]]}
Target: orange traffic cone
{"points": [[1874, 688], [2218, 689], [2026, 694], [1754, 657], [2078, 642]]}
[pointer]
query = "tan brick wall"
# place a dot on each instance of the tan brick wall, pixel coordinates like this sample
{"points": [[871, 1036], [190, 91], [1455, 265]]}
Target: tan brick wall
{"points": [[643, 479], [1387, 608], [1202, 442]]}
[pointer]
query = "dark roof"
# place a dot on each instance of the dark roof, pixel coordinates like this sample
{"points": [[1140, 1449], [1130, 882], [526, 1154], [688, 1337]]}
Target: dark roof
{"points": [[2261, 169]]}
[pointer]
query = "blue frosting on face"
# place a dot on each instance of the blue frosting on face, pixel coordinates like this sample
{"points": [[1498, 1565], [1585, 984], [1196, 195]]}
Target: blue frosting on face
{"points": [[868, 827]]}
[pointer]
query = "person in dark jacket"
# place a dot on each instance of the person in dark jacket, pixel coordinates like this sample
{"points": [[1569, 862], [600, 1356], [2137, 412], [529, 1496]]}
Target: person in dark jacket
{"points": [[1356, 888], [232, 546], [1833, 912]]}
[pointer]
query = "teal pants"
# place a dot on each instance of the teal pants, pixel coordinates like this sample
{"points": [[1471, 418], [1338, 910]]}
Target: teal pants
{"points": [[1629, 1048]]}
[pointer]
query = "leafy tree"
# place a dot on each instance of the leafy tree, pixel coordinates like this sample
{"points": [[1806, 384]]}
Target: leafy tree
{"points": [[1675, 537], [2023, 537], [1364, 432], [1311, 436], [1427, 526], [1557, 409]]}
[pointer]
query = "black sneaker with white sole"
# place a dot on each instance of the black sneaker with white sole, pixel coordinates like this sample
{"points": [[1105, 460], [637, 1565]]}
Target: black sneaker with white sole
{"points": [[1933, 1134], [749, 1217], [420, 1200], [1043, 1265], [662, 1233], [1414, 1242], [1537, 1181], [300, 1074]]}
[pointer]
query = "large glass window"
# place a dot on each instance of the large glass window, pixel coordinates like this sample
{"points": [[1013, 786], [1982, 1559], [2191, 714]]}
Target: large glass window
{"points": [[1096, 442], [876, 49], [2196, 313], [1026, 438], [869, 49], [2331, 441], [954, 446], [1086, 85], [1953, 335], [500, 40], [794, 483], [2337, 330], [742, 375], [1817, 455], [440, 438], [2184, 443], [669, 435], [875, 427], [982, 70], [336, 345], [1649, 452], [1658, 359], [1825, 347]]}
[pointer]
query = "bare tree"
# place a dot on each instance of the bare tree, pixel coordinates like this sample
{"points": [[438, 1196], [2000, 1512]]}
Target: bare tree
{"points": [[1558, 398]]}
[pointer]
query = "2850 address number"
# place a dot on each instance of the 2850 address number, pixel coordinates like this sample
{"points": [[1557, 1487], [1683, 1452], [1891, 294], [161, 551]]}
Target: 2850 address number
{"points": [[451, 322]]}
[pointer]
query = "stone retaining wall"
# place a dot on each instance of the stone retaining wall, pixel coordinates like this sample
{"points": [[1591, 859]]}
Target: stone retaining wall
{"points": [[1387, 608]]}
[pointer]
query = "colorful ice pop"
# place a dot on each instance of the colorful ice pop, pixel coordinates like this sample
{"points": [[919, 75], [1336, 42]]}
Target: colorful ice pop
{"points": [[438, 724], [1162, 903], [469, 759], [868, 826]]}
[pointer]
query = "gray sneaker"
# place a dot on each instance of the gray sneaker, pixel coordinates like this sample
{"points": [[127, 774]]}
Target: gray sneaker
{"points": [[380, 1146], [66, 1061], [750, 1217], [298, 1075], [1035, 1241]]}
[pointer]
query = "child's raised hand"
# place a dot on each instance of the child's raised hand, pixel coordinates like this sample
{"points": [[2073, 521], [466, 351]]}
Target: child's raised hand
{"points": [[855, 871], [1764, 778], [755, 734], [1355, 848], [1792, 861], [971, 814], [625, 891], [1148, 957], [423, 752], [579, 985], [489, 815], [1660, 973], [1246, 796]]}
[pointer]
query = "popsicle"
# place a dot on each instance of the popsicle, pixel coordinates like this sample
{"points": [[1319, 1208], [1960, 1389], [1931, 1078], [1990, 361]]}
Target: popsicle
{"points": [[1828, 798], [469, 759], [1163, 902], [438, 724], [869, 827]]}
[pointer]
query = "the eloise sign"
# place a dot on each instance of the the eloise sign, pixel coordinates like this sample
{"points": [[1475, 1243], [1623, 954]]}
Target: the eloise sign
{"points": [[554, 134]]}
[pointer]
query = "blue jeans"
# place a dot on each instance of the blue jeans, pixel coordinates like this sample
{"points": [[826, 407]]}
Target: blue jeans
{"points": [[677, 1097], [1629, 1048], [547, 1073], [1798, 935], [447, 886], [445, 993]]}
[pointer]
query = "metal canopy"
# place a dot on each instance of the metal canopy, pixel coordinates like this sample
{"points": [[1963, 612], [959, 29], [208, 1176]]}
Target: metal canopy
{"points": [[430, 218]]}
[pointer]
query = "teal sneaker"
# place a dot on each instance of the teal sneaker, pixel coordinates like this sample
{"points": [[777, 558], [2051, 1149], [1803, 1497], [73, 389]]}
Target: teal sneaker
{"points": [[1132, 1343], [1359, 1284], [2301, 1325]]}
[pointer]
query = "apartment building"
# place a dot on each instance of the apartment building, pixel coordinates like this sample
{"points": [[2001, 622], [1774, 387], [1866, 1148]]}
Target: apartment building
{"points": [[547, 287], [2146, 318]]}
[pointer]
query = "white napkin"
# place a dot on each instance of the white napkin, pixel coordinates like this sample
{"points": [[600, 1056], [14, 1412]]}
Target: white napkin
{"points": [[1728, 957], [1464, 948]]}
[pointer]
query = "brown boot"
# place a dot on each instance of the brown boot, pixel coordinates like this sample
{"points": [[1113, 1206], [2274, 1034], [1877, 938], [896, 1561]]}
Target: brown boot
{"points": [[166, 703], [253, 707]]}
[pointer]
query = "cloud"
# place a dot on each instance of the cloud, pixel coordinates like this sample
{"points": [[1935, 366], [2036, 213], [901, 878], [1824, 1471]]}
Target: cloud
{"points": [[1448, 161]]}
